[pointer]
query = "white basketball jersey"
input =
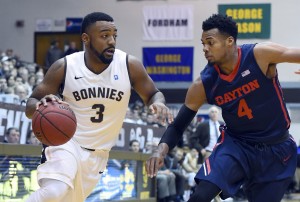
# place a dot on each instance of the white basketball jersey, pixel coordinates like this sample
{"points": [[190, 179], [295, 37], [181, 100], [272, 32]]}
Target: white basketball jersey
{"points": [[99, 101]]}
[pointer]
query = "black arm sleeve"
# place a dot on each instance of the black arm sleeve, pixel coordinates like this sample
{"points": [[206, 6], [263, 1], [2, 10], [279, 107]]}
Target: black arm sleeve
{"points": [[175, 130]]}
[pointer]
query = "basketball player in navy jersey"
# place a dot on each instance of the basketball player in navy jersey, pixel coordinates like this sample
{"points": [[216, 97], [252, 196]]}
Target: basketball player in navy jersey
{"points": [[96, 83], [255, 148]]}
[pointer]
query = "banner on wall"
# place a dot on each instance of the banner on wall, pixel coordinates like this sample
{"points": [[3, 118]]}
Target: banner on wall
{"points": [[43, 25], [168, 22], [73, 25], [174, 64], [253, 20], [12, 115], [117, 182]]}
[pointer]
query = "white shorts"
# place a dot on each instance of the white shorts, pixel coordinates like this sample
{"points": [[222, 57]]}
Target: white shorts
{"points": [[80, 168]]}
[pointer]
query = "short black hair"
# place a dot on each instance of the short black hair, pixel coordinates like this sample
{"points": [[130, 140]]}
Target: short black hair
{"points": [[53, 42], [94, 17], [225, 24], [133, 141], [10, 129]]}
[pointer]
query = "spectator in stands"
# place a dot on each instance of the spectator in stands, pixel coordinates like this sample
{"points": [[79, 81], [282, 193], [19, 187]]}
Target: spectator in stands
{"points": [[12, 136], [179, 154], [151, 120], [9, 96], [72, 48], [1, 69], [3, 84], [18, 81], [166, 188], [129, 116], [144, 115], [134, 146], [32, 81], [11, 81], [24, 74], [171, 165], [21, 92], [8, 55], [137, 117], [206, 135], [39, 76], [190, 167], [54, 53], [150, 147], [31, 138], [9, 68]]}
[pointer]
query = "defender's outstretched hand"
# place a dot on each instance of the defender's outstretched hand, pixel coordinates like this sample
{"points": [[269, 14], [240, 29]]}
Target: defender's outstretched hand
{"points": [[154, 163], [162, 112], [297, 72]]}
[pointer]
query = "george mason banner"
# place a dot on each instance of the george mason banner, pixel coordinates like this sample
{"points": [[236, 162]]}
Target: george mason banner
{"points": [[168, 22], [253, 20]]}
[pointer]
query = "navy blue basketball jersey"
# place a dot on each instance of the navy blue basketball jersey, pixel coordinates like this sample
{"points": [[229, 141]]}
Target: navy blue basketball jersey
{"points": [[252, 104]]}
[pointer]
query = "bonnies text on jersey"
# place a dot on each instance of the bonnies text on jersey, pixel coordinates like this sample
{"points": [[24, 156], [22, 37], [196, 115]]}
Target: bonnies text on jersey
{"points": [[98, 92]]}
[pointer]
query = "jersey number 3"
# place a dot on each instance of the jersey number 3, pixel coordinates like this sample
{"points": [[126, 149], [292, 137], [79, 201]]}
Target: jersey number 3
{"points": [[100, 109], [244, 110]]}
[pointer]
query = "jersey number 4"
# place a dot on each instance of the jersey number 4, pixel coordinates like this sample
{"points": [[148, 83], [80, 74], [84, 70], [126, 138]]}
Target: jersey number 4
{"points": [[244, 110], [100, 109]]}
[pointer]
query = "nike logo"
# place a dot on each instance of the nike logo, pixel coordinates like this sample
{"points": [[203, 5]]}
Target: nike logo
{"points": [[80, 77], [100, 172]]}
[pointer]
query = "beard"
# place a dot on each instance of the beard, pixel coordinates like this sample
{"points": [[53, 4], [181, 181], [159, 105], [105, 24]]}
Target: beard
{"points": [[211, 63], [100, 56]]}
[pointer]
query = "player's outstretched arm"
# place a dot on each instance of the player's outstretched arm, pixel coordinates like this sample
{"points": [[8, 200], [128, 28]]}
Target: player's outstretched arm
{"points": [[194, 99], [47, 89], [297, 72], [272, 53]]}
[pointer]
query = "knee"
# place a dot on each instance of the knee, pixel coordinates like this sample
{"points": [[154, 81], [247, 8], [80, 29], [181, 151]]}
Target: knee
{"points": [[162, 180]]}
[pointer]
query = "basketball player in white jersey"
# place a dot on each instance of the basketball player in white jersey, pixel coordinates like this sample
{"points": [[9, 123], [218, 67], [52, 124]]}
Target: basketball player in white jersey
{"points": [[96, 83]]}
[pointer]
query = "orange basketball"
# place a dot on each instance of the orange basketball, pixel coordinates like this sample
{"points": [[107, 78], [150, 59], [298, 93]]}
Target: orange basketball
{"points": [[54, 124]]}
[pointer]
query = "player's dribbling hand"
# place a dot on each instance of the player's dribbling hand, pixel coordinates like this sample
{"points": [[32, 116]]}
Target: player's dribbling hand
{"points": [[48, 98], [297, 72], [162, 112], [153, 164]]}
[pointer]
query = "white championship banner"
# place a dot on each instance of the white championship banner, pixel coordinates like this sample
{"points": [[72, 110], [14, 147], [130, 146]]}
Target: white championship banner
{"points": [[168, 22]]}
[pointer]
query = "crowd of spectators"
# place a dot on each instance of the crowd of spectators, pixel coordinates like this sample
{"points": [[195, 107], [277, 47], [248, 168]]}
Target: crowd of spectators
{"points": [[17, 78]]}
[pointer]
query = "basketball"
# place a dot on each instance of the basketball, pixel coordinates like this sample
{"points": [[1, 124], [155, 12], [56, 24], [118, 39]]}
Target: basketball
{"points": [[54, 124]]}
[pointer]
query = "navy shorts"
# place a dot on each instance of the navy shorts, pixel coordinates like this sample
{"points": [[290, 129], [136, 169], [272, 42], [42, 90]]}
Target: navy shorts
{"points": [[263, 170]]}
